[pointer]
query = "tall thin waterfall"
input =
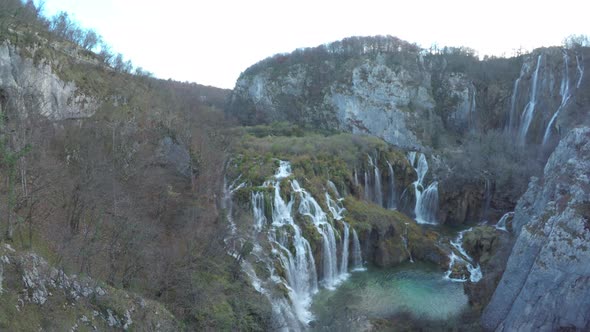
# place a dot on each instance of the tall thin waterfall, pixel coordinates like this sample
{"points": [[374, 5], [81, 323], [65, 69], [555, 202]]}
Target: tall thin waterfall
{"points": [[309, 207], [529, 111], [258, 210], [357, 258], [512, 121], [345, 244], [337, 211], [367, 188], [472, 109], [565, 96], [426, 198], [580, 67], [392, 200], [405, 241], [463, 258], [378, 192]]}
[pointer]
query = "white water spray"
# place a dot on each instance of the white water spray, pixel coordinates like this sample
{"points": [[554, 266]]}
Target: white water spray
{"points": [[529, 111], [357, 258], [501, 224], [426, 198], [565, 96], [463, 258]]}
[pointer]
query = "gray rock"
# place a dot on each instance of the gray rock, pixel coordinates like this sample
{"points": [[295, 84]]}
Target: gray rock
{"points": [[546, 284], [21, 78], [175, 155]]}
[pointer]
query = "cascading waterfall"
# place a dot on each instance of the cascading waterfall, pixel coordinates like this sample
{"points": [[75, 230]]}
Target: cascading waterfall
{"points": [[565, 96], [357, 257], [501, 224], [580, 67], [529, 111], [309, 207], [475, 274], [337, 210], [392, 201], [290, 250], [426, 199]]}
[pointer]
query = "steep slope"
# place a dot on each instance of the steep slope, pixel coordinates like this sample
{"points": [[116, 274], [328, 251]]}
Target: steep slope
{"points": [[114, 177], [37, 296], [546, 283]]}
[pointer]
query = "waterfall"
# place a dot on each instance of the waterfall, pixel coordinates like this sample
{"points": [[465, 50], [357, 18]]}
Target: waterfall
{"points": [[356, 178], [405, 242], [580, 67], [258, 210], [426, 199], [565, 96], [378, 192], [357, 258], [367, 188], [427, 204], [529, 111], [487, 199], [501, 225], [345, 243], [472, 114], [392, 201], [475, 274], [513, 100], [286, 248], [309, 207], [332, 187], [300, 276]]}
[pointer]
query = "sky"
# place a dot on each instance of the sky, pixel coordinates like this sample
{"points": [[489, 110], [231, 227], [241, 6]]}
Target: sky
{"points": [[212, 42]]}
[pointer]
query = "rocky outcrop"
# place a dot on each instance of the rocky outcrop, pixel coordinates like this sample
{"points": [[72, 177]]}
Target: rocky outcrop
{"points": [[30, 86], [174, 155], [35, 288], [546, 284]]}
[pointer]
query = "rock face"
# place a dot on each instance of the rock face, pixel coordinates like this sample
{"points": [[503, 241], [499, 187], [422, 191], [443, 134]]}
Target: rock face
{"points": [[175, 155], [386, 92], [546, 284], [410, 97], [36, 286], [35, 86]]}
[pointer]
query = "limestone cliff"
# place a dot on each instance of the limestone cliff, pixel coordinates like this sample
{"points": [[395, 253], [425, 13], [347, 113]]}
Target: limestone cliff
{"points": [[546, 284], [35, 87]]}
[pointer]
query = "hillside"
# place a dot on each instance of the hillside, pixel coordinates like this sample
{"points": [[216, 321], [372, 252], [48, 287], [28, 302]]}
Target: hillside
{"points": [[112, 176]]}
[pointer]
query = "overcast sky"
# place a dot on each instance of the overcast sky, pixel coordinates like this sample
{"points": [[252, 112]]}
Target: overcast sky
{"points": [[212, 42]]}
